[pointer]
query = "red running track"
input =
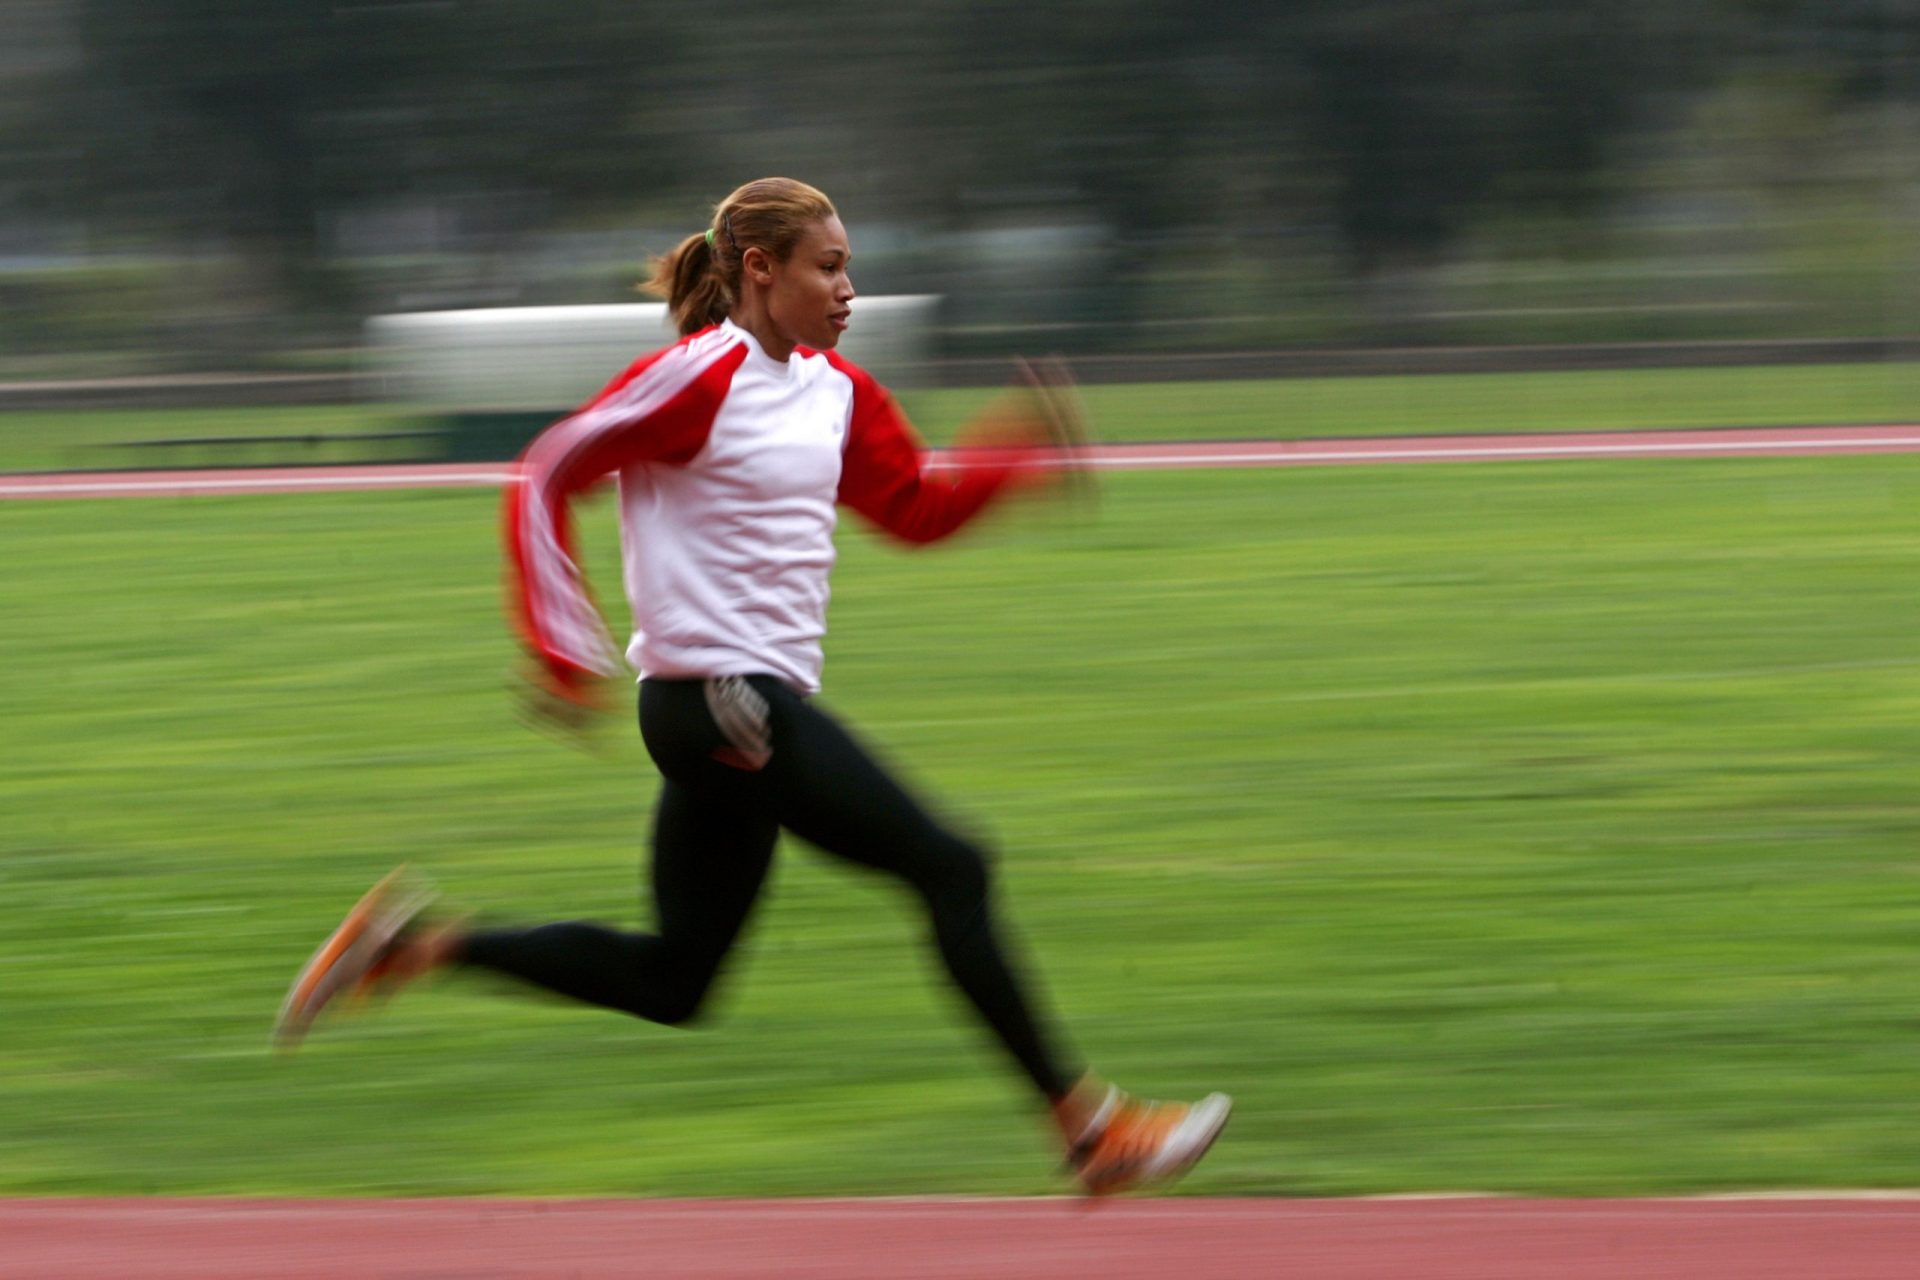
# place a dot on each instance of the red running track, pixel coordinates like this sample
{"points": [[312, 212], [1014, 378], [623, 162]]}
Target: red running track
{"points": [[1190, 1239], [1758, 442]]}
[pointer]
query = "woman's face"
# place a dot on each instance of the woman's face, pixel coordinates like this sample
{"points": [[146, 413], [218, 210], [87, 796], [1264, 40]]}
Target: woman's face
{"points": [[810, 292]]}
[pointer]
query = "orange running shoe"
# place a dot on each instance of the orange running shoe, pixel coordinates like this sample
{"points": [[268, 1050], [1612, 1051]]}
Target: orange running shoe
{"points": [[1124, 1143], [355, 957]]}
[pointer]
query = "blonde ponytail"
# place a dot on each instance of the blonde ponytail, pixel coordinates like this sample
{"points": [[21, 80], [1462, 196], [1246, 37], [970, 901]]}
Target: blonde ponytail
{"points": [[696, 292]]}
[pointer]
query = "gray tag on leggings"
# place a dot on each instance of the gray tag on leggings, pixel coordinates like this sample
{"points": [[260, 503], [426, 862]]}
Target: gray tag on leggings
{"points": [[740, 713]]}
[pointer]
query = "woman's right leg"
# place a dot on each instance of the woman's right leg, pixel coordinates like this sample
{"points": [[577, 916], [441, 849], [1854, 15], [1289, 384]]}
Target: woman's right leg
{"points": [[713, 840]]}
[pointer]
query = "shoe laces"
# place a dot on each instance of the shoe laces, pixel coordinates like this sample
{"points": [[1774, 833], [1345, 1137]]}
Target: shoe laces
{"points": [[1137, 1131], [1123, 1140]]}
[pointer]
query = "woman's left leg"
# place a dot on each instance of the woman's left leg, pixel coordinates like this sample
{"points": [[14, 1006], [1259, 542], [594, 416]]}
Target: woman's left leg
{"points": [[829, 791]]}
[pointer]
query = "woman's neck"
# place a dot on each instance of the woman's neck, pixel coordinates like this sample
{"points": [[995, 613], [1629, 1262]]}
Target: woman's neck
{"points": [[751, 315]]}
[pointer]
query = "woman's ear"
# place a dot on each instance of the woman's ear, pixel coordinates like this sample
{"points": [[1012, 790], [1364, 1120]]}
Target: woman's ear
{"points": [[757, 266]]}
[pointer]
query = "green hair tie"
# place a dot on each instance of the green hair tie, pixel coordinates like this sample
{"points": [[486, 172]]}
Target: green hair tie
{"points": [[709, 237]]}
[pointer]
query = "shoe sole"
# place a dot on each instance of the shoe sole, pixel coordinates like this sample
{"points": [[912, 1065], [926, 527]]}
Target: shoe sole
{"points": [[1192, 1139], [346, 956]]}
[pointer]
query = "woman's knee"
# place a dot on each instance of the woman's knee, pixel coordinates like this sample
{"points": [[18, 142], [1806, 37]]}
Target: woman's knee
{"points": [[677, 996], [677, 1008], [958, 873]]}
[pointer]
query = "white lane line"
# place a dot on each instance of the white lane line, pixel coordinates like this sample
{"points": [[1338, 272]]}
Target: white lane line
{"points": [[1118, 460], [1111, 458]]}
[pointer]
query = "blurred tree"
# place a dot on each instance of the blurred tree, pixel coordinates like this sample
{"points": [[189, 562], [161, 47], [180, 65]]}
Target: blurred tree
{"points": [[1870, 48], [1397, 123], [1386, 128], [1426, 112], [252, 121]]}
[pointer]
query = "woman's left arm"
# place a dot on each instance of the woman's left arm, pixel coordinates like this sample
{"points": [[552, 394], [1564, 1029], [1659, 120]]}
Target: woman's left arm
{"points": [[886, 474]]}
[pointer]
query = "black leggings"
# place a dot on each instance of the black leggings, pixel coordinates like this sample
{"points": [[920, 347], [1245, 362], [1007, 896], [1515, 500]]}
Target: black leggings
{"points": [[743, 757]]}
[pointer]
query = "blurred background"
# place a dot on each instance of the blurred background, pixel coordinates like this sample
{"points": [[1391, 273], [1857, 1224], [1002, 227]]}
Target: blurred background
{"points": [[220, 185]]}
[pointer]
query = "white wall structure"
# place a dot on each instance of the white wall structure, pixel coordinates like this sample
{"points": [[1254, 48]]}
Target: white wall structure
{"points": [[551, 359]]}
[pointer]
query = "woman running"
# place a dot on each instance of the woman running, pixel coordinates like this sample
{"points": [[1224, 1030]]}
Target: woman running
{"points": [[733, 448]]}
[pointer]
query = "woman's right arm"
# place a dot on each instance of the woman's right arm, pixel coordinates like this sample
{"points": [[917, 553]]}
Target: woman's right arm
{"points": [[660, 410]]}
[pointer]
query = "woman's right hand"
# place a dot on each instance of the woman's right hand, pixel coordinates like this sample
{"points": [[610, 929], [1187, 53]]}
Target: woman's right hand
{"points": [[566, 710]]}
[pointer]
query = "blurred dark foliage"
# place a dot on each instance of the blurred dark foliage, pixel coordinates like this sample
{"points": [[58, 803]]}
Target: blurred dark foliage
{"points": [[1379, 129]]}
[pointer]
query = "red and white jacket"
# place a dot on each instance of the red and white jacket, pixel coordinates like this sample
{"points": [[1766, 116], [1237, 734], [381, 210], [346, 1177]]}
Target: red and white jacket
{"points": [[730, 464]]}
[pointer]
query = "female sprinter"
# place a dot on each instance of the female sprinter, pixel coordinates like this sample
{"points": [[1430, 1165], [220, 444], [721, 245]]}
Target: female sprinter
{"points": [[733, 448]]}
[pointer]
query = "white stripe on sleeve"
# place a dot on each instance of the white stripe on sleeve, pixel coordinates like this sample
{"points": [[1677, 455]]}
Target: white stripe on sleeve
{"points": [[561, 613]]}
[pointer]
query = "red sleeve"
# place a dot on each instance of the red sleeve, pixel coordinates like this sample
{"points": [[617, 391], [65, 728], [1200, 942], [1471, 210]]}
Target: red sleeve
{"points": [[660, 410], [886, 477]]}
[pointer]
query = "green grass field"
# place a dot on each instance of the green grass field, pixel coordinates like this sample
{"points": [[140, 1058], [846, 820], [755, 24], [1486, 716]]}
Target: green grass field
{"points": [[1294, 408], [1531, 827]]}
